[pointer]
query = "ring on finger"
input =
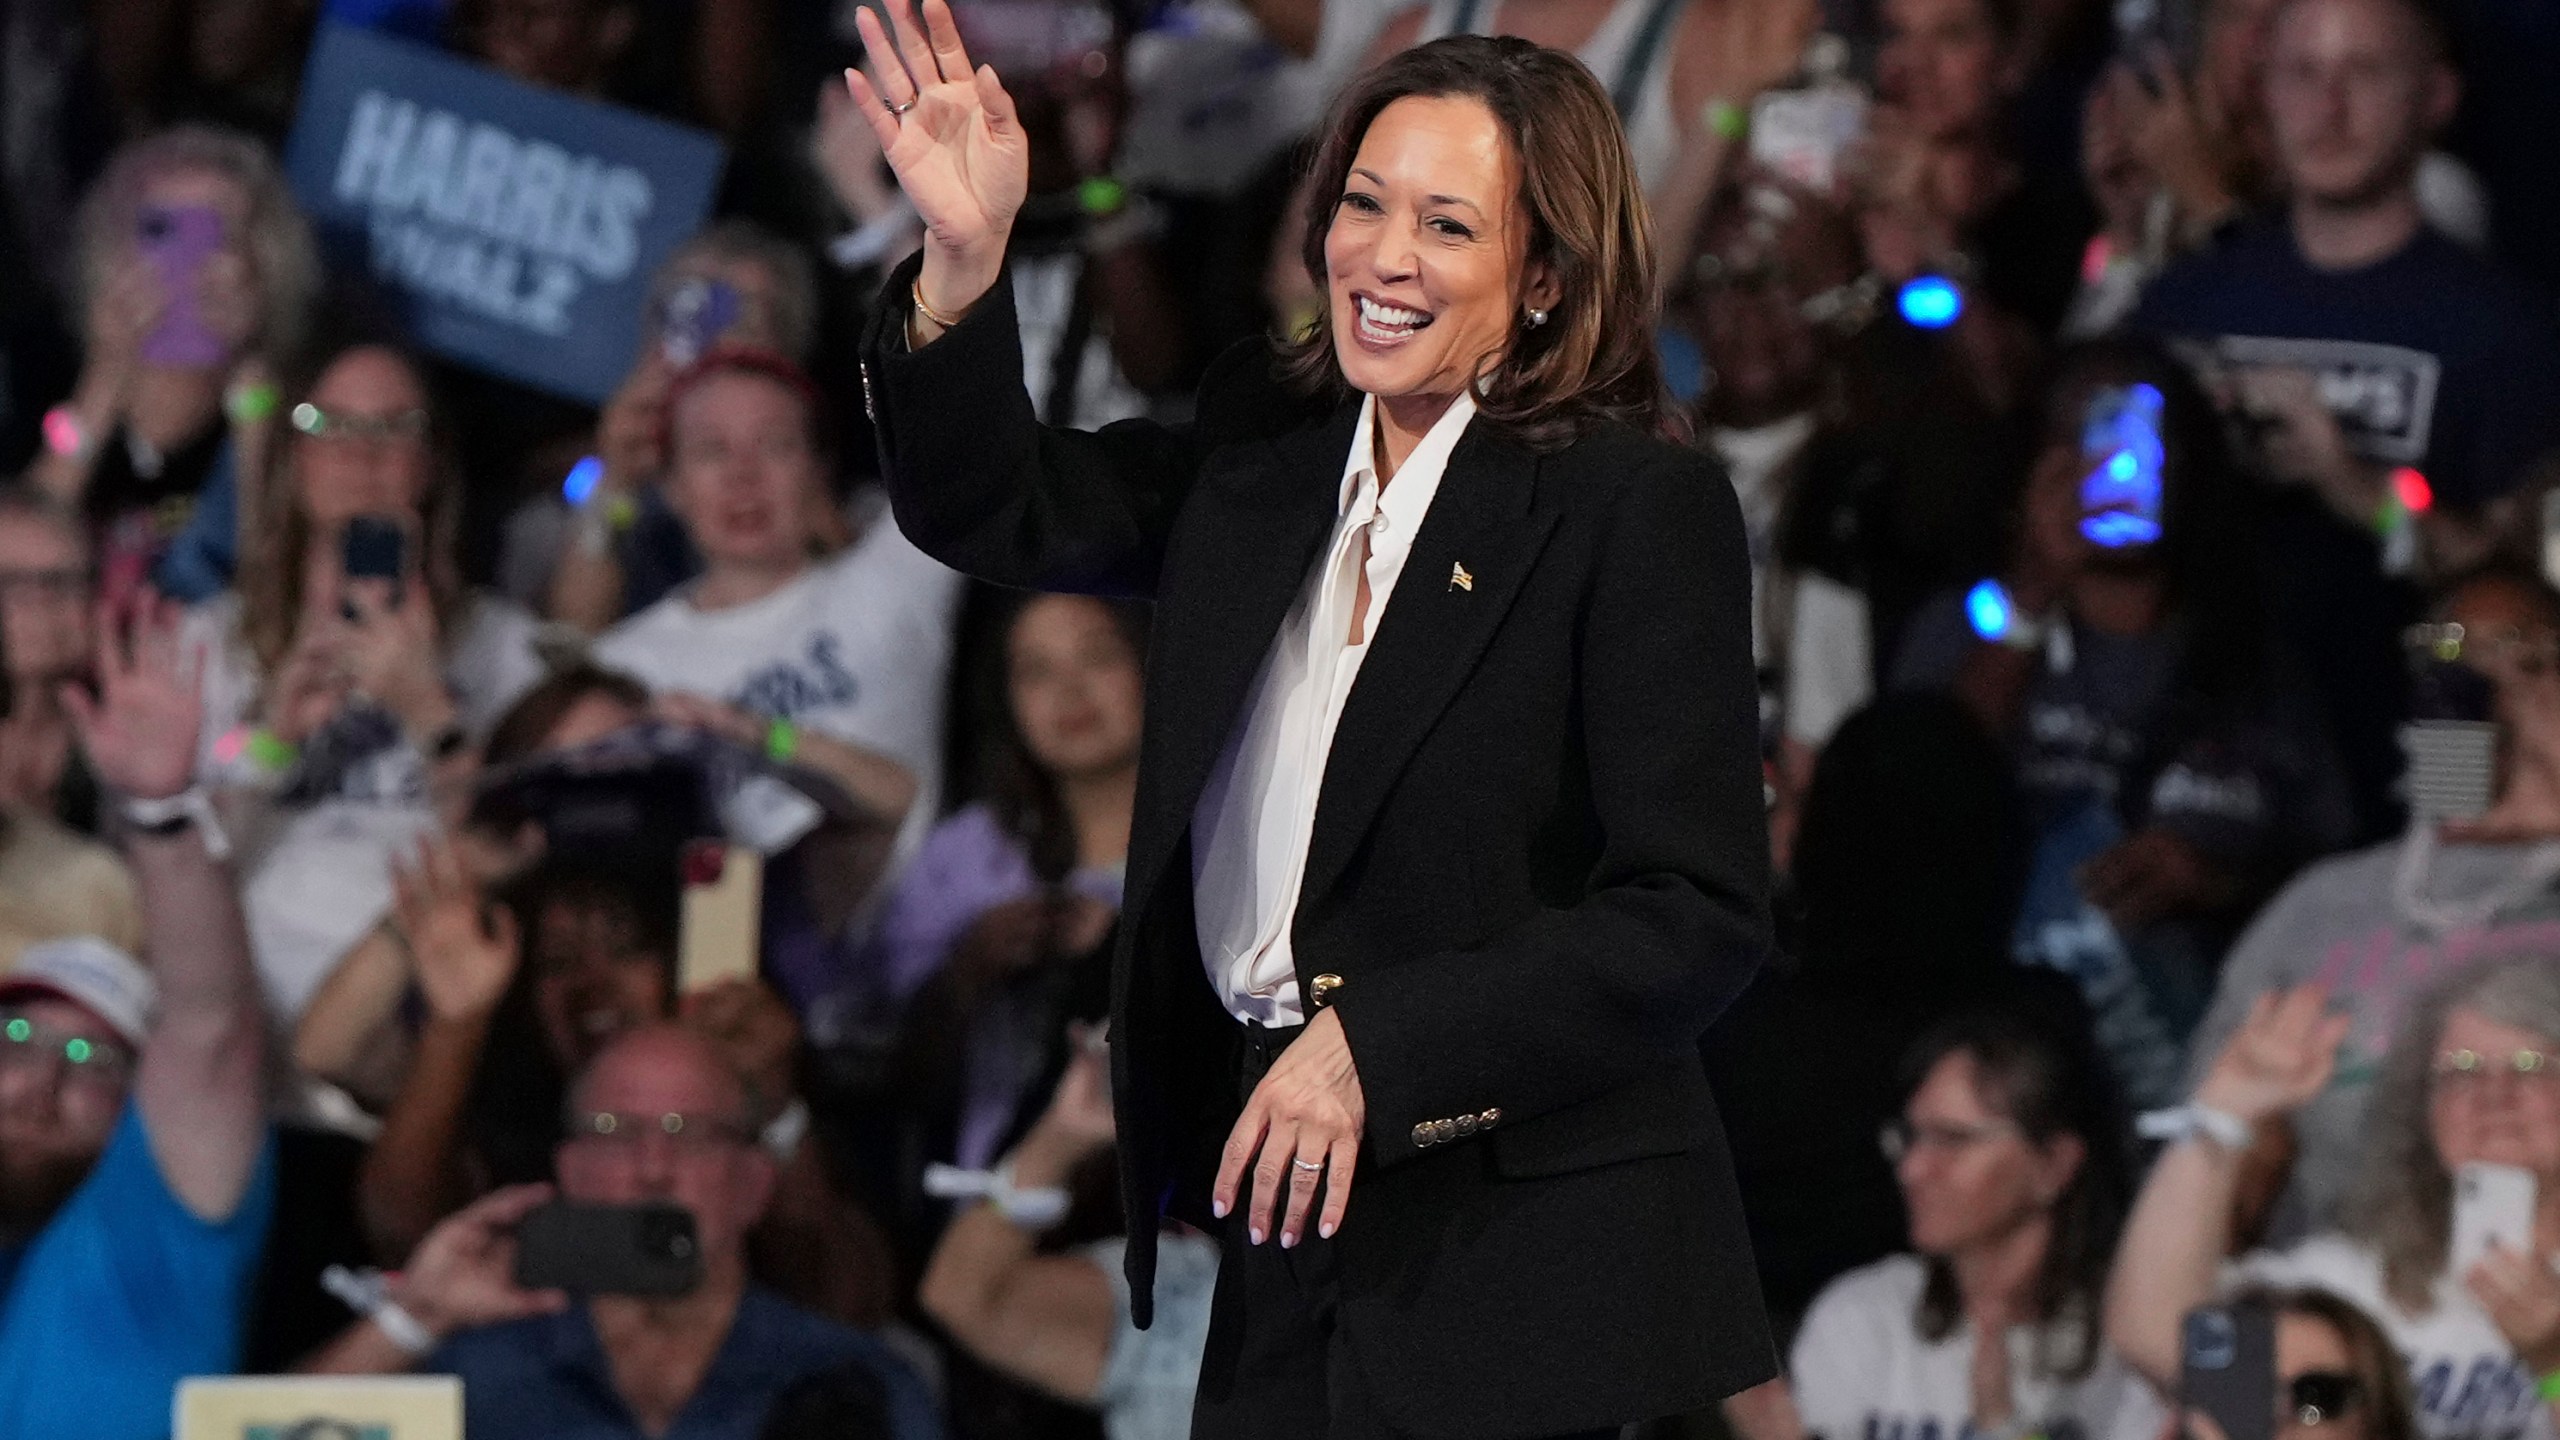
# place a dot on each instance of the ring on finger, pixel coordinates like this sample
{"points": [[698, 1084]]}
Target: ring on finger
{"points": [[1310, 1166], [902, 109]]}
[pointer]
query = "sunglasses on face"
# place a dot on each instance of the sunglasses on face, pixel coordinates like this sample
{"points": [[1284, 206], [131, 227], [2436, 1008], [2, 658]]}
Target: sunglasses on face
{"points": [[2316, 1397], [348, 425]]}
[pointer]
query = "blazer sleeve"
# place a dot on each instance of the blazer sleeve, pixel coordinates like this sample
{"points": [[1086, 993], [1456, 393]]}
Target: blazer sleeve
{"points": [[977, 482], [1579, 1001]]}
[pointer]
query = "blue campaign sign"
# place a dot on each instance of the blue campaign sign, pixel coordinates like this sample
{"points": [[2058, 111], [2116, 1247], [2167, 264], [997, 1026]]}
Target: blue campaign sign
{"points": [[517, 226]]}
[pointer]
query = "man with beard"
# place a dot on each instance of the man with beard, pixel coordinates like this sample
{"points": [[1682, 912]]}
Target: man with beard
{"points": [[136, 1173], [2352, 342]]}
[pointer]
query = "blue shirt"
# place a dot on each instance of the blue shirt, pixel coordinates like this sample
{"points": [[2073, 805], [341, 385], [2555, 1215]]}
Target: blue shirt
{"points": [[122, 1294], [548, 1378], [2429, 356]]}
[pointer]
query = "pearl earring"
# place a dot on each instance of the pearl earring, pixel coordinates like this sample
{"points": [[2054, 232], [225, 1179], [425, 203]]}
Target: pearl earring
{"points": [[1537, 317]]}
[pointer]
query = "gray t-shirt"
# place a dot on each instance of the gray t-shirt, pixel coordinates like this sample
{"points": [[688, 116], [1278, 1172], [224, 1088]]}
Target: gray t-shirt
{"points": [[2339, 923]]}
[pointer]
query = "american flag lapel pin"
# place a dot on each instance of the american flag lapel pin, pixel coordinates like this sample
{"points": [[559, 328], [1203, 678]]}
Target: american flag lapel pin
{"points": [[1459, 579]]}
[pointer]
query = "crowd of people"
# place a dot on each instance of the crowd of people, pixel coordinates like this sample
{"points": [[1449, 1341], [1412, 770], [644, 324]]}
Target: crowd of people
{"points": [[2147, 424]]}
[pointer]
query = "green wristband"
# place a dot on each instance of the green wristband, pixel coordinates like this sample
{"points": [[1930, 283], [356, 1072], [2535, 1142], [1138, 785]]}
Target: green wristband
{"points": [[1100, 195], [2549, 1386], [781, 741], [271, 751], [249, 404], [1728, 120]]}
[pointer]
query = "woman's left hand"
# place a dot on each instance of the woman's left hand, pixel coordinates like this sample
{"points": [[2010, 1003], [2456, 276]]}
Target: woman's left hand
{"points": [[1304, 1121], [2522, 1296]]}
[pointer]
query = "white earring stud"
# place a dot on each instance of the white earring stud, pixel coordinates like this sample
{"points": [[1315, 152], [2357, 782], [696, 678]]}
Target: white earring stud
{"points": [[1537, 317]]}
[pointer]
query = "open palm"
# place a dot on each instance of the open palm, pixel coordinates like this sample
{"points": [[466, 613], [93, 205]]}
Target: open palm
{"points": [[139, 731], [948, 129]]}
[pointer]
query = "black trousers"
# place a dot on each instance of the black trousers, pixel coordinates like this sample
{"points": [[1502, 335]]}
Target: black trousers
{"points": [[1277, 1366]]}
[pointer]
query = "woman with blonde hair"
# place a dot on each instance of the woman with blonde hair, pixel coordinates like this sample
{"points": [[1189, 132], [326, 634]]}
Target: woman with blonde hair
{"points": [[2473, 1078], [195, 278]]}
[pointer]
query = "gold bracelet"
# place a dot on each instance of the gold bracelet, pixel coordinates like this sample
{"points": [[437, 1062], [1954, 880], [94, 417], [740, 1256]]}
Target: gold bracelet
{"points": [[915, 292]]}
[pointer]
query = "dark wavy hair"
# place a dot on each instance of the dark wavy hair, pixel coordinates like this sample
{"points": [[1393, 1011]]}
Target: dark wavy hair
{"points": [[1593, 361]]}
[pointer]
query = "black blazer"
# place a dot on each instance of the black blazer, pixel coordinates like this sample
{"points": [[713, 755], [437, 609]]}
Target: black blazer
{"points": [[1538, 866]]}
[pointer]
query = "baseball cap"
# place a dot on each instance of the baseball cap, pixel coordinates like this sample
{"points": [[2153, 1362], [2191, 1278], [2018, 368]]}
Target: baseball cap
{"points": [[86, 970]]}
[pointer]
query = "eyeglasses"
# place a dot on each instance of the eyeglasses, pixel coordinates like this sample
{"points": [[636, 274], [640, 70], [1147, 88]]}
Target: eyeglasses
{"points": [[98, 1064], [2453, 642], [347, 425], [2471, 1067], [2316, 1397], [620, 1130], [1901, 1138]]}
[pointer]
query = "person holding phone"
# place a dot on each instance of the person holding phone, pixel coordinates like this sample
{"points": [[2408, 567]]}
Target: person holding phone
{"points": [[2334, 1376], [1450, 841], [2469, 1079], [2011, 1154], [2171, 771], [2378, 925], [351, 671], [735, 283], [657, 1118], [197, 274]]}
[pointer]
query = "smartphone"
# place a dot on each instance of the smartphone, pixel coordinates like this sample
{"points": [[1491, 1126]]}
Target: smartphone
{"points": [[2453, 767], [2120, 441], [177, 240], [645, 1249], [2227, 1368], [2492, 1204], [693, 317], [374, 547], [723, 909]]}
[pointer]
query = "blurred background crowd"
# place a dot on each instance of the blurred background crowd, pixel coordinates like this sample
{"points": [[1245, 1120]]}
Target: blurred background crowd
{"points": [[2147, 420]]}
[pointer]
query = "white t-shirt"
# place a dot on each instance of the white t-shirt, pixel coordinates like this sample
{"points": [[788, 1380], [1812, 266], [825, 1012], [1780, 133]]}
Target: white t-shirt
{"points": [[1147, 1382], [1860, 1370], [2468, 1382], [857, 648], [324, 879]]}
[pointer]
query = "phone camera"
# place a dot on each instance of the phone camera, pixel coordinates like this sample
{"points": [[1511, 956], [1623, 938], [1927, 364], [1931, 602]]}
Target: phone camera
{"points": [[2213, 1341], [669, 1236], [156, 226]]}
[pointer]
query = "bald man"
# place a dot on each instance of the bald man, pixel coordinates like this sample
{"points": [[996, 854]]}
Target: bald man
{"points": [[657, 1117]]}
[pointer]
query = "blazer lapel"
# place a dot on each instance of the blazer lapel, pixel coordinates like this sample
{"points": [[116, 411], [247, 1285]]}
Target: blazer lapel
{"points": [[1251, 536], [1436, 625]]}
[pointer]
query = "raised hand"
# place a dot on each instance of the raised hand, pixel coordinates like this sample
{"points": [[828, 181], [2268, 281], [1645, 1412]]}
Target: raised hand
{"points": [[140, 731], [2522, 1296], [2281, 1057], [953, 140], [465, 950]]}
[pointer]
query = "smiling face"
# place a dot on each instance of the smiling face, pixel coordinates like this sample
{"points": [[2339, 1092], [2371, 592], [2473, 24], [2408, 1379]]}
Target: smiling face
{"points": [[2494, 1113], [55, 1115], [592, 979], [45, 593], [744, 471], [1427, 257], [1075, 686]]}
